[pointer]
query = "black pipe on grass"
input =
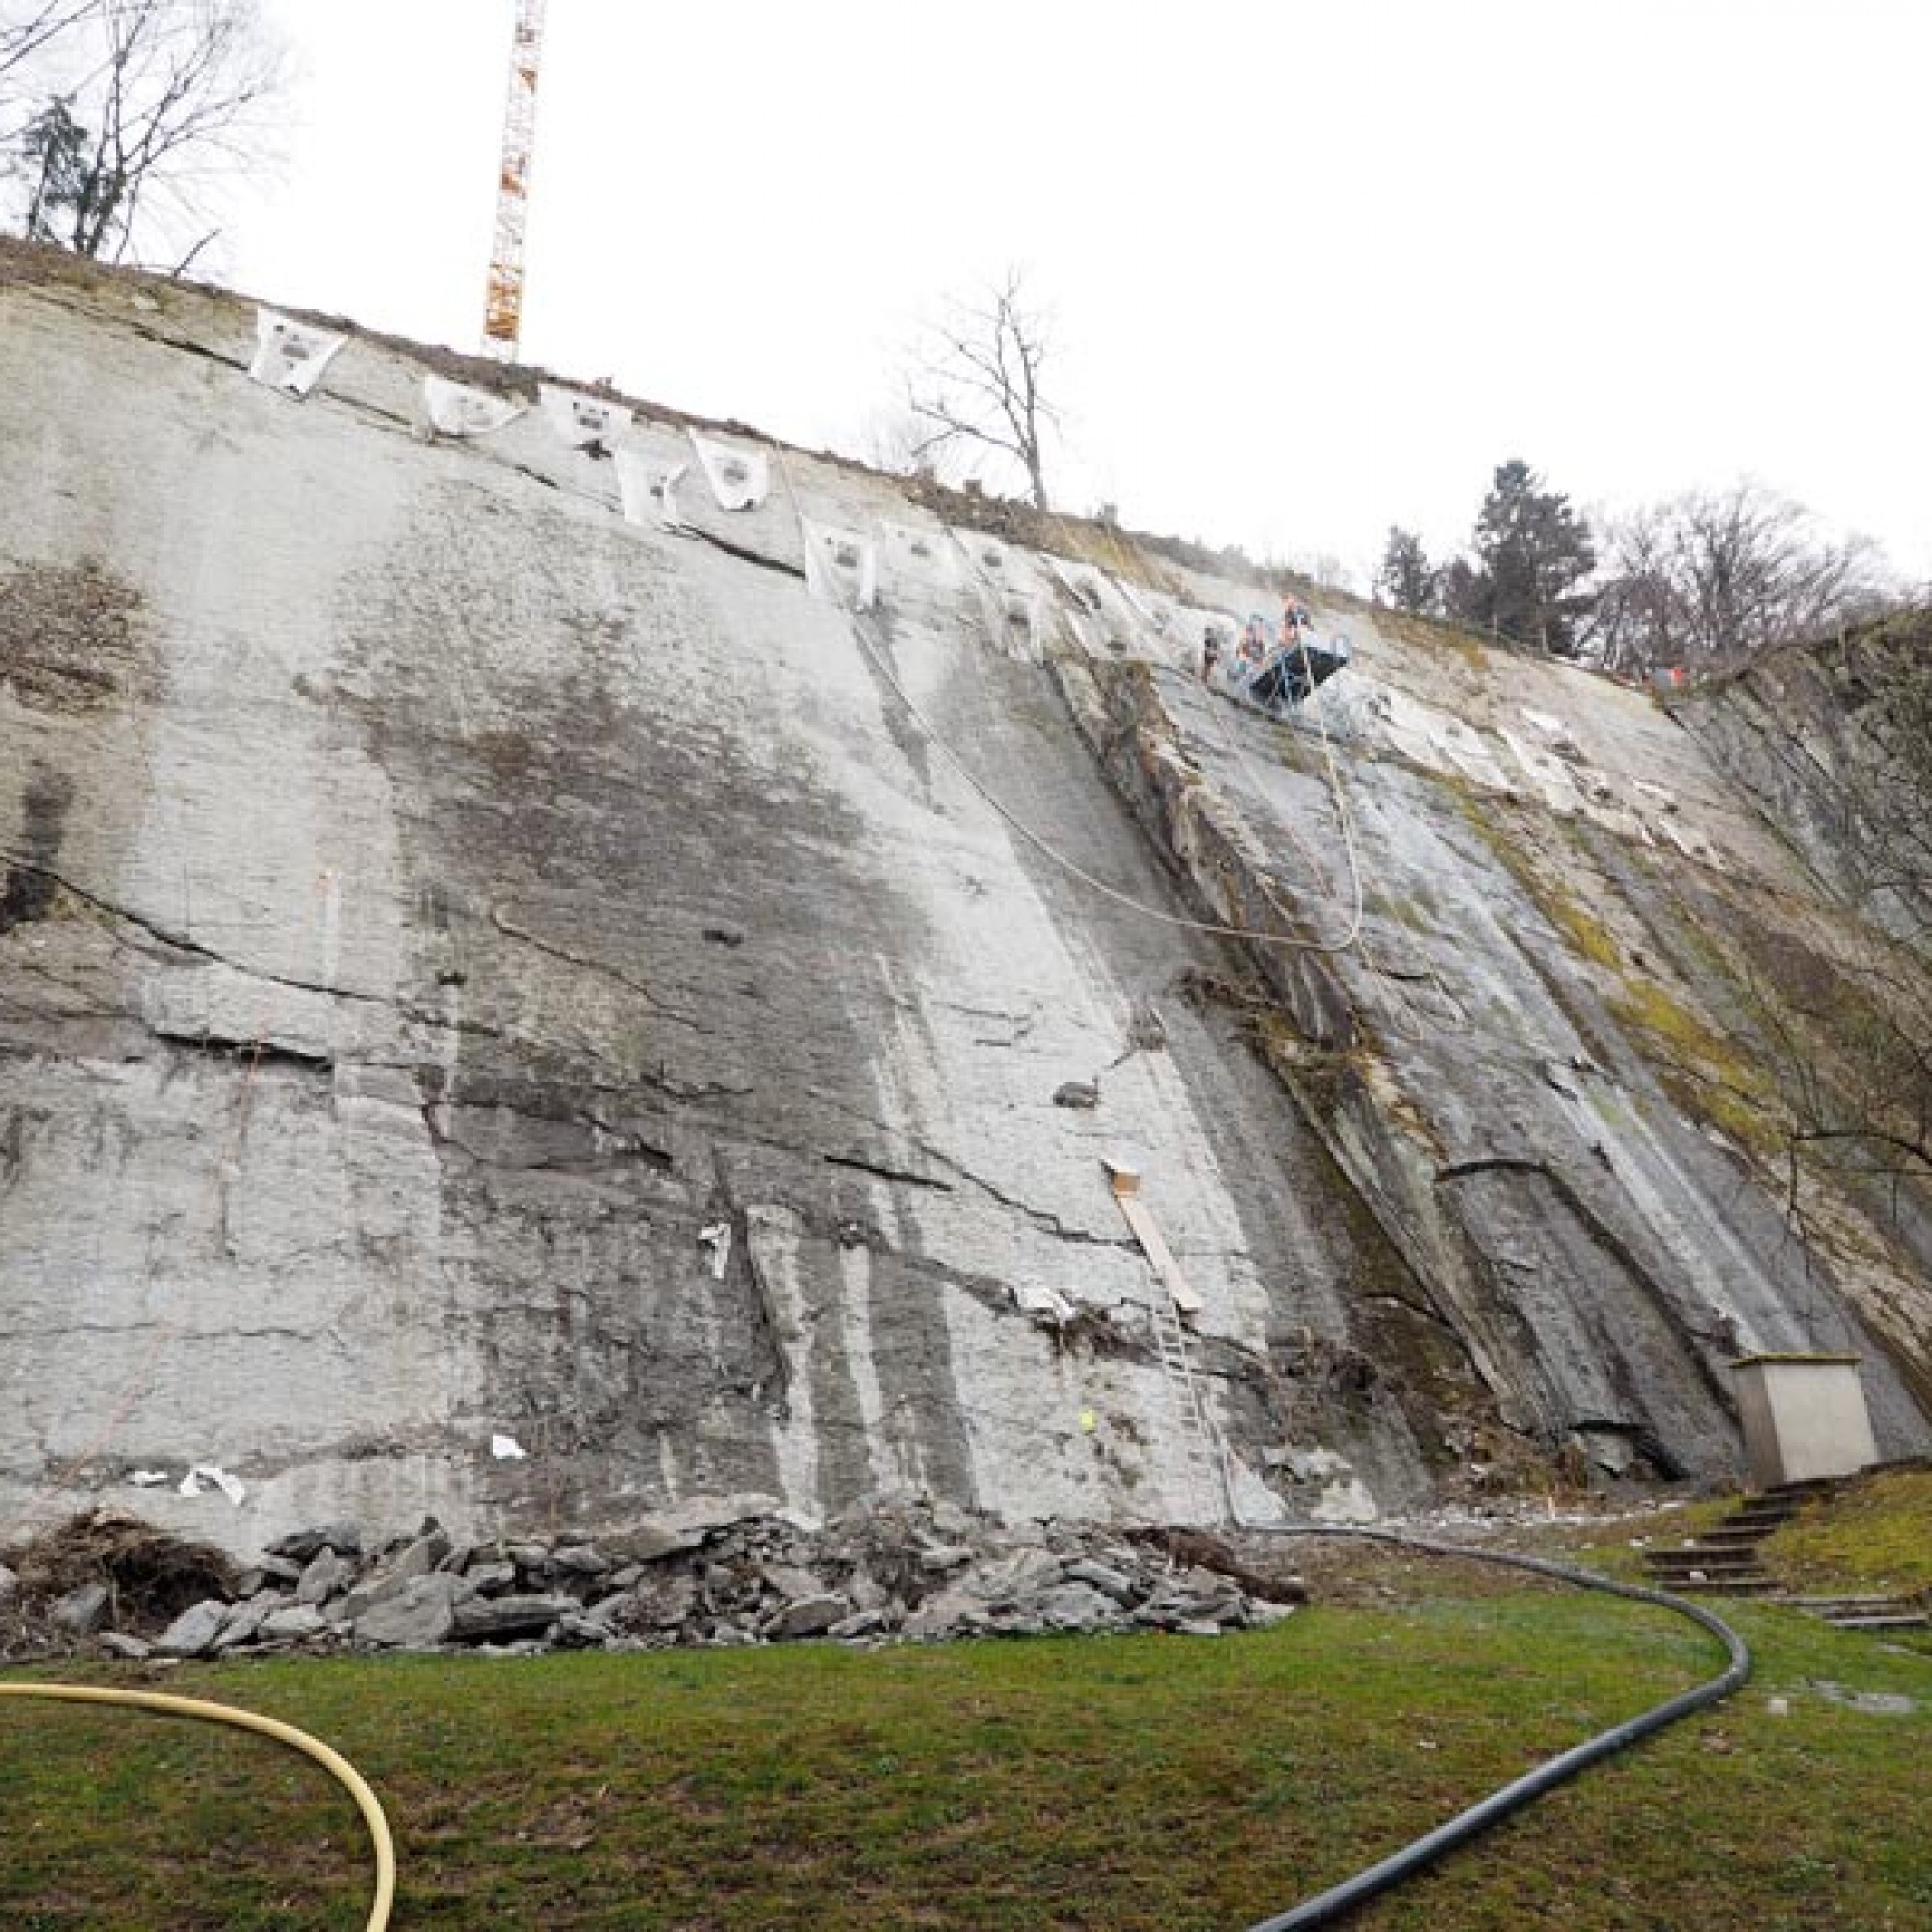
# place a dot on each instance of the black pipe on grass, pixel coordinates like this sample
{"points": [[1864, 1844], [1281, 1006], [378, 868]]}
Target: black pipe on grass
{"points": [[1329, 1906]]}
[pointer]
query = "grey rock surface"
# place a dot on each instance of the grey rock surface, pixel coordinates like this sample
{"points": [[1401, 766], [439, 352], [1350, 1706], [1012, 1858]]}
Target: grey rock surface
{"points": [[525, 978], [194, 1632], [82, 1611], [420, 1613]]}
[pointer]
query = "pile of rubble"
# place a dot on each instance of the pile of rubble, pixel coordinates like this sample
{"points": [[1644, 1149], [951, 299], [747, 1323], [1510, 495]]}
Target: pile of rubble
{"points": [[718, 1571]]}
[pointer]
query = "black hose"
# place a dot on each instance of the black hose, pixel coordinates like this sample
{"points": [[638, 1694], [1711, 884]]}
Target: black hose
{"points": [[1329, 1906]]}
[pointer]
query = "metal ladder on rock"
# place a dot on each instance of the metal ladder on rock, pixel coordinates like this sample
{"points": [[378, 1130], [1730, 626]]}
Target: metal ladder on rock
{"points": [[1200, 1443]]}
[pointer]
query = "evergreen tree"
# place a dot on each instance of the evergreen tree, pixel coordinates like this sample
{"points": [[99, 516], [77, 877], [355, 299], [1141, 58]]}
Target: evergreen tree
{"points": [[1531, 551], [54, 157], [1406, 579]]}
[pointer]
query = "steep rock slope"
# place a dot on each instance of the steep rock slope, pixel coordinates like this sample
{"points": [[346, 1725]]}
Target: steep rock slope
{"points": [[475, 967]]}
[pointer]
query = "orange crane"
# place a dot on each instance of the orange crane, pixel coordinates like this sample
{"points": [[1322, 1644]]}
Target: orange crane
{"points": [[504, 302]]}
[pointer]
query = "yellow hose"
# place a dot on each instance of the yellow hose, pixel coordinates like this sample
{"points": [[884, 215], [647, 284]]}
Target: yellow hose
{"points": [[333, 1762]]}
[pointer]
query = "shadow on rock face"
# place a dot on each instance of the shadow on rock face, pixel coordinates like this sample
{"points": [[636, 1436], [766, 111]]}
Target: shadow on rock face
{"points": [[28, 891]]}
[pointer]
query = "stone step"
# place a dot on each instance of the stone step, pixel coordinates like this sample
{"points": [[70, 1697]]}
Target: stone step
{"points": [[1754, 1513], [1844, 1602], [1907, 1620], [1737, 1558], [1718, 1586]]}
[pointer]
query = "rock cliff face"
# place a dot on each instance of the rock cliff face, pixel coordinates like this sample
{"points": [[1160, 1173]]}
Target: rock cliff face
{"points": [[475, 967]]}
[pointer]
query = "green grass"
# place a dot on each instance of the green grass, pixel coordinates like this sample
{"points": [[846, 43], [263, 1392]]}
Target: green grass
{"points": [[1125, 1784], [1875, 1536]]}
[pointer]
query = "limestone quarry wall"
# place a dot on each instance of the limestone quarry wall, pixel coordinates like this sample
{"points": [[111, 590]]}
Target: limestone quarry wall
{"points": [[478, 971]]}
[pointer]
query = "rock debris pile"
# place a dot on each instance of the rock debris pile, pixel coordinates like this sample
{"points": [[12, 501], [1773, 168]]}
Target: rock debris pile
{"points": [[714, 1572]]}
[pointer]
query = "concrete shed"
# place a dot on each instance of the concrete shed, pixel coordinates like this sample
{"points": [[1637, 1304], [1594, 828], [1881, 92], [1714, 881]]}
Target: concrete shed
{"points": [[1804, 1416]]}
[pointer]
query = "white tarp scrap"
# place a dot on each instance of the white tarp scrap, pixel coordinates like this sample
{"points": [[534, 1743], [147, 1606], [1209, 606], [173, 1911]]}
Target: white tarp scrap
{"points": [[507, 1449], [648, 487], [291, 355], [593, 424], [207, 1473], [841, 566], [454, 409], [716, 1237], [1034, 1297], [740, 479]]}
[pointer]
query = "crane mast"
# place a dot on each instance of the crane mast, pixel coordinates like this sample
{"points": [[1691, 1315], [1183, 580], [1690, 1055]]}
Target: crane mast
{"points": [[504, 302]]}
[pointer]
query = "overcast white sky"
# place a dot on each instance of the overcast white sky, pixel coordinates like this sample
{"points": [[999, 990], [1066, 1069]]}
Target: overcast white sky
{"points": [[1315, 268]]}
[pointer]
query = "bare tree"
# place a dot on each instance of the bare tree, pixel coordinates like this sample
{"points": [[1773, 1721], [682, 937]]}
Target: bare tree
{"points": [[155, 100], [1711, 579], [28, 28], [976, 380]]}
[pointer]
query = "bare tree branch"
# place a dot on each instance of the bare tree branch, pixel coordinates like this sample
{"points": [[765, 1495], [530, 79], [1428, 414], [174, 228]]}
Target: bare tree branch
{"points": [[162, 99], [976, 378]]}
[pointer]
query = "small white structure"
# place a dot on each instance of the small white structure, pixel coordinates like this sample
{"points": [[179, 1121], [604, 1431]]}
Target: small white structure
{"points": [[1804, 1416]]}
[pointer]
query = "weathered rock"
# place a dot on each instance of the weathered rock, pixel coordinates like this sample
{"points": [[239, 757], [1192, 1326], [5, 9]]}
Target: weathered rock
{"points": [[244, 1621], [193, 1632], [1104, 1577], [302, 1546], [945, 1556], [514, 1077], [327, 1574], [296, 1624], [489, 1579], [1081, 1095], [420, 1614], [580, 1559], [806, 1616], [481, 1617], [1075, 1606], [795, 1586], [10, 1584], [118, 1643], [82, 1611], [1026, 1572]]}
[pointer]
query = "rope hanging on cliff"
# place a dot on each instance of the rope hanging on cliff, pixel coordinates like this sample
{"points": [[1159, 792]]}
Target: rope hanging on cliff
{"points": [[1041, 844]]}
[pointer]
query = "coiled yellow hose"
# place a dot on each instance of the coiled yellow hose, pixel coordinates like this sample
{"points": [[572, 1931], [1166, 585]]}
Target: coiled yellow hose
{"points": [[331, 1761]]}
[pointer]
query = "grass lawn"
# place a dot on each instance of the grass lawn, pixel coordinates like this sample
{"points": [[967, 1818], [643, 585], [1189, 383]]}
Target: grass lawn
{"points": [[1122, 1783]]}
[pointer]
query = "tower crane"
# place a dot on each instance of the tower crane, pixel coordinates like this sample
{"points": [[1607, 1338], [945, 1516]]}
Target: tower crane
{"points": [[504, 302]]}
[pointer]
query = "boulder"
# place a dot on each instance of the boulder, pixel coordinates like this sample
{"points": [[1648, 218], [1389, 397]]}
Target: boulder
{"points": [[486, 1617], [328, 1575], [293, 1625], [807, 1616], [193, 1632], [303, 1544], [1075, 1606], [1104, 1577], [82, 1611], [420, 1614]]}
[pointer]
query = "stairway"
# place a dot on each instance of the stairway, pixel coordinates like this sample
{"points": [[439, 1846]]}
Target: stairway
{"points": [[1879, 1614], [1724, 1561]]}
